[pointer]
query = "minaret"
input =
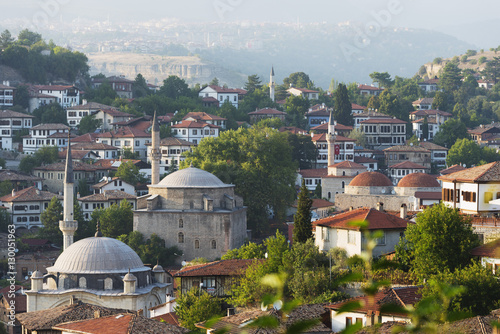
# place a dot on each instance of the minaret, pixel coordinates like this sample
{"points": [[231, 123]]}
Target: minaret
{"points": [[271, 84], [331, 137], [68, 226], [155, 154]]}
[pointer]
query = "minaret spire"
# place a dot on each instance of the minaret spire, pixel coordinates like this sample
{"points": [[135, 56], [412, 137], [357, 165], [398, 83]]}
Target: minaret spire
{"points": [[271, 84], [331, 137], [68, 225], [155, 154]]}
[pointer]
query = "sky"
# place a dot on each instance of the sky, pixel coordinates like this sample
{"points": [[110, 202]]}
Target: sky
{"points": [[442, 15]]}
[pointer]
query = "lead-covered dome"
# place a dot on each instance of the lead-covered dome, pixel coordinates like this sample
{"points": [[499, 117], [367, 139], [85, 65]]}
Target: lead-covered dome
{"points": [[192, 178], [418, 180], [98, 255], [371, 179]]}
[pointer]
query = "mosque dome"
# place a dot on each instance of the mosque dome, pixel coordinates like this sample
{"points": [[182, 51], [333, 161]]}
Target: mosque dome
{"points": [[418, 180], [98, 255], [192, 178], [371, 179]]}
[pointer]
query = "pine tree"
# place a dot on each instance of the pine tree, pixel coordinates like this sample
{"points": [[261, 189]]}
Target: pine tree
{"points": [[302, 230], [343, 107], [50, 219], [425, 129]]}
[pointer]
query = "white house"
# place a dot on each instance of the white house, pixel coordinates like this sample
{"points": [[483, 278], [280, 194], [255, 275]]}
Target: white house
{"points": [[424, 103], [103, 151], [38, 100], [104, 200], [305, 93], [357, 109], [67, 96], [194, 131], [131, 138], [336, 231], [75, 114], [51, 134], [110, 116], [474, 191], [171, 152], [207, 118], [489, 254], [438, 153], [365, 115], [384, 132], [10, 123], [6, 96], [26, 205], [221, 94], [371, 312], [311, 177], [369, 90], [121, 85], [113, 183], [401, 169], [430, 85]]}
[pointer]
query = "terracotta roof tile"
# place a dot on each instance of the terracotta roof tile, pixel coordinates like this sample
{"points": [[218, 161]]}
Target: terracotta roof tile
{"points": [[406, 148], [371, 179], [372, 88], [485, 173], [29, 194], [218, 268], [314, 173], [267, 111], [362, 159], [107, 196], [321, 137], [431, 146], [51, 126], [11, 175], [348, 164], [416, 180], [491, 249], [355, 106], [194, 124], [407, 164], [338, 127], [452, 169], [88, 137], [383, 121], [10, 114], [61, 166], [198, 115], [377, 220], [430, 195]]}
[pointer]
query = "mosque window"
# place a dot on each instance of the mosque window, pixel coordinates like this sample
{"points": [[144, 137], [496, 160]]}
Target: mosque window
{"points": [[82, 283], [180, 237], [197, 244], [214, 244], [181, 223], [108, 284]]}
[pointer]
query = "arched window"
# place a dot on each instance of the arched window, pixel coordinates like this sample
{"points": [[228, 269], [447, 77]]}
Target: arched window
{"points": [[82, 283], [108, 284], [343, 184], [197, 244], [329, 195], [343, 172], [181, 237], [214, 244], [181, 223]]}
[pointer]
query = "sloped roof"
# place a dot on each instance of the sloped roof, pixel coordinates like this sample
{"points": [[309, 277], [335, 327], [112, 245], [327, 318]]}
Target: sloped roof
{"points": [[87, 137], [108, 195], [425, 100], [403, 296], [383, 121], [338, 127], [431, 146], [355, 106], [11, 175], [194, 124], [362, 159], [406, 148], [120, 324], [371, 179], [219, 89], [485, 173], [85, 145], [323, 137], [452, 169], [377, 220], [11, 114], [51, 126], [430, 112], [303, 90], [314, 173], [491, 249], [126, 132], [371, 113], [366, 87], [53, 87], [172, 141], [60, 166], [407, 164], [267, 111], [348, 164], [484, 129], [115, 112], [91, 106], [199, 115], [231, 267], [28, 195], [292, 129], [416, 180]]}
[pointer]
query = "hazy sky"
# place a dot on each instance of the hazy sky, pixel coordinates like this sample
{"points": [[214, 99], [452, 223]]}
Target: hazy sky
{"points": [[413, 13]]}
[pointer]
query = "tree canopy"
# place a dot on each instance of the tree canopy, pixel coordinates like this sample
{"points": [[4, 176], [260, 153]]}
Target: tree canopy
{"points": [[115, 220], [302, 227], [50, 219], [343, 109], [382, 78], [129, 172], [450, 132]]}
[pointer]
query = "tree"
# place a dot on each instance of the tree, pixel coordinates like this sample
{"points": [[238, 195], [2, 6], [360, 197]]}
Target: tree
{"points": [[84, 230], [390, 105], [492, 70], [127, 153], [482, 289], [383, 79], [140, 87], [429, 252], [258, 161], [302, 230], [129, 172], [304, 151], [440, 101], [296, 108], [464, 151], [89, 124], [299, 80], [253, 83], [115, 220], [151, 250], [50, 219], [174, 87], [450, 132], [196, 306], [28, 38], [22, 96], [373, 103], [50, 113], [249, 250], [343, 108], [214, 82], [450, 79], [317, 191], [6, 40], [359, 137], [104, 94], [425, 129], [44, 156]]}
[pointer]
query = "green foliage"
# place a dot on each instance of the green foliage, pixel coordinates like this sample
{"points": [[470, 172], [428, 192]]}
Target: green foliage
{"points": [[450, 132], [115, 220], [104, 94], [492, 70], [429, 252], [22, 96], [464, 151], [317, 191], [174, 87], [440, 101], [140, 87], [44, 156], [437, 60], [196, 306], [303, 150], [249, 250], [6, 39], [359, 136], [302, 230], [481, 294], [450, 79], [382, 78], [88, 124], [129, 172], [128, 154], [342, 112], [50, 219], [425, 129], [258, 162], [214, 82], [253, 83], [50, 113], [151, 250], [296, 108], [481, 60], [165, 131], [273, 123], [4, 220], [298, 80], [85, 228]]}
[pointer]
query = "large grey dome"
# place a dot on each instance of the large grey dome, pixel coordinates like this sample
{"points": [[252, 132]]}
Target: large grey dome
{"points": [[191, 178], [98, 255]]}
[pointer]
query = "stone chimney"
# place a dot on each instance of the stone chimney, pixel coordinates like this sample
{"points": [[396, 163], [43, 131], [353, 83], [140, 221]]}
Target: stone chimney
{"points": [[380, 206], [403, 211]]}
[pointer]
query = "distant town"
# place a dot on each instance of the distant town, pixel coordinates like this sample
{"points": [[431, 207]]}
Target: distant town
{"points": [[156, 207]]}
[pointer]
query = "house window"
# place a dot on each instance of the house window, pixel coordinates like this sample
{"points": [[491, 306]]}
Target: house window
{"points": [[381, 240], [469, 196], [181, 223], [488, 196], [180, 238], [351, 237], [197, 244], [348, 321], [214, 244]]}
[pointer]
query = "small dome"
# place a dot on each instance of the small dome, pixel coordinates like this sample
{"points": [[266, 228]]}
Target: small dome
{"points": [[37, 274], [419, 180], [371, 179], [158, 269], [129, 278], [99, 255], [192, 178]]}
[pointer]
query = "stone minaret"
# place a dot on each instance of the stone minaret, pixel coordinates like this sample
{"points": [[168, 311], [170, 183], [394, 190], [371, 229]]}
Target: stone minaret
{"points": [[155, 154], [331, 137], [68, 225], [271, 84]]}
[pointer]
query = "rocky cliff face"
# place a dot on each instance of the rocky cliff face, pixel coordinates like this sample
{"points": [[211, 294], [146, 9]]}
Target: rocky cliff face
{"points": [[157, 68]]}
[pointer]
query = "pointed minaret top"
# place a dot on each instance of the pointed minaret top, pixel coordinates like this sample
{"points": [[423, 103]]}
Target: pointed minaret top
{"points": [[156, 127], [69, 163], [272, 71], [331, 121]]}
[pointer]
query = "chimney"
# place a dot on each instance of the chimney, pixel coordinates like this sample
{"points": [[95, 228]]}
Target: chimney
{"points": [[403, 211], [97, 314], [78, 195], [351, 208], [380, 206], [13, 193], [230, 311]]}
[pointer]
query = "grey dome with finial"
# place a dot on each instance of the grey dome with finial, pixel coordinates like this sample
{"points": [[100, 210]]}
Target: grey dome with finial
{"points": [[191, 177]]}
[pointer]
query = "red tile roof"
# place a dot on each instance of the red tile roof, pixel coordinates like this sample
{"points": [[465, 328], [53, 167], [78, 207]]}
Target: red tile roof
{"points": [[485, 173], [362, 159], [355, 106], [61, 166], [313, 173], [320, 137], [338, 127], [348, 164], [383, 121], [430, 195], [406, 148], [292, 129], [416, 180], [203, 116], [371, 179], [377, 220], [28, 195], [10, 114], [53, 87], [452, 169], [194, 124], [267, 111], [232, 267], [88, 137], [431, 146], [372, 88], [304, 90], [169, 318], [219, 89], [109, 195], [431, 112], [407, 164], [491, 249], [108, 163], [126, 132]]}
